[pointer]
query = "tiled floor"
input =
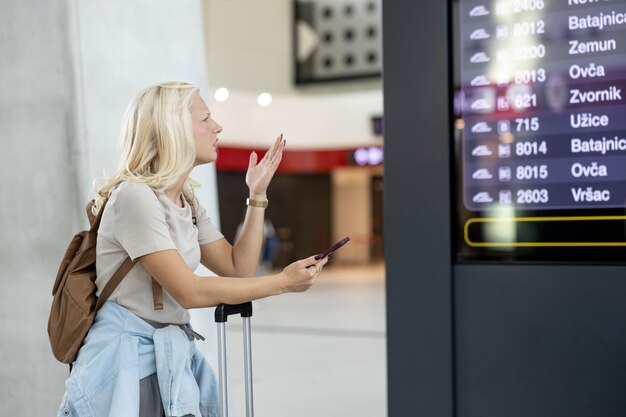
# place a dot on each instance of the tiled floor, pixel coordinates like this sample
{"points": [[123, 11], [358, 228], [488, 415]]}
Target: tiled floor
{"points": [[319, 353]]}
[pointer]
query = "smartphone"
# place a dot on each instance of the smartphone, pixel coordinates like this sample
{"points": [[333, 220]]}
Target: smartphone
{"points": [[333, 248]]}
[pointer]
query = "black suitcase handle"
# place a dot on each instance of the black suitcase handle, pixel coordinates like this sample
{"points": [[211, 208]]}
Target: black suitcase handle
{"points": [[222, 311]]}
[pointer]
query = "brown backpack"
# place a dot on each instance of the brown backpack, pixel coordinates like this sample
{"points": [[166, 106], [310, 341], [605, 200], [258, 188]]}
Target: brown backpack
{"points": [[74, 302]]}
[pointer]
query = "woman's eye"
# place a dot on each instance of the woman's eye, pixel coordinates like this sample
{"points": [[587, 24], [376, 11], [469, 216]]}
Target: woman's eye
{"points": [[205, 120]]}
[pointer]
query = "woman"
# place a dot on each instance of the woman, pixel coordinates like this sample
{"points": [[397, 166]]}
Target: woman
{"points": [[139, 357]]}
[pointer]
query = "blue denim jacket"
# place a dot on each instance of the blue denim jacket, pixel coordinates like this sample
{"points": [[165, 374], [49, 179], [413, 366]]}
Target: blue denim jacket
{"points": [[119, 350]]}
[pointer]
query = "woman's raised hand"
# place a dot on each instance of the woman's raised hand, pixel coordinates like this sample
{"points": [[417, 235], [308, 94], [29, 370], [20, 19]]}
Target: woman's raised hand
{"points": [[260, 174], [300, 275]]}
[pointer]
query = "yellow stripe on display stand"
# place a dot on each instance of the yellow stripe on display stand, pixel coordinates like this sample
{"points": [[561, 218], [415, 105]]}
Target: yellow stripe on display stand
{"points": [[539, 219]]}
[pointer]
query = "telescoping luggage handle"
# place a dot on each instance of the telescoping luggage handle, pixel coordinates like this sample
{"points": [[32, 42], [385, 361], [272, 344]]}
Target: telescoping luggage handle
{"points": [[222, 312]]}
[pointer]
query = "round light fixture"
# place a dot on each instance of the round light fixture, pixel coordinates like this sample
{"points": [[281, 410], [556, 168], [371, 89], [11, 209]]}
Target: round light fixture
{"points": [[361, 156], [264, 99], [221, 94]]}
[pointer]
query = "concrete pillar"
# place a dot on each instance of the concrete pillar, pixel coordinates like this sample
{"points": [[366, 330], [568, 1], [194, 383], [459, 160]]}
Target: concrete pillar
{"points": [[38, 200], [68, 68]]}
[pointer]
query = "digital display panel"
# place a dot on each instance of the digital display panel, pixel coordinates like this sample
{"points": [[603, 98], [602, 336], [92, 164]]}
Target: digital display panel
{"points": [[540, 129]]}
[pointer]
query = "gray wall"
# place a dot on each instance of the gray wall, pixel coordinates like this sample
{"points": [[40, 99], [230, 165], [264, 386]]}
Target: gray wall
{"points": [[38, 210], [67, 71]]}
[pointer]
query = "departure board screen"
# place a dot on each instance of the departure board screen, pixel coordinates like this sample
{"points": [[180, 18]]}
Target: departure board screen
{"points": [[540, 129]]}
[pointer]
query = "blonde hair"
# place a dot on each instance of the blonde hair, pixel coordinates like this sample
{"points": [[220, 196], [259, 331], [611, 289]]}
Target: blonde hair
{"points": [[157, 141]]}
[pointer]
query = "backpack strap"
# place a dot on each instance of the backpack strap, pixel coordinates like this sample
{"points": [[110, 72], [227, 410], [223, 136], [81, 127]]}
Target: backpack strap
{"points": [[115, 280], [127, 265], [94, 221], [193, 211], [157, 295], [157, 290], [121, 272]]}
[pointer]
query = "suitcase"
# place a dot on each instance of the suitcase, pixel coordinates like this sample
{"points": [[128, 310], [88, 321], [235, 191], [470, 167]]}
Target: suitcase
{"points": [[221, 317]]}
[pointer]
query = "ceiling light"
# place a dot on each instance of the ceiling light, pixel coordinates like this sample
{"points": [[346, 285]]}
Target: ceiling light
{"points": [[264, 99], [221, 94]]}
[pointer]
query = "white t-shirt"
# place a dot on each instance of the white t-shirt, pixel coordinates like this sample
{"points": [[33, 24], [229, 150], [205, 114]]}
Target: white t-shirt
{"points": [[137, 221]]}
